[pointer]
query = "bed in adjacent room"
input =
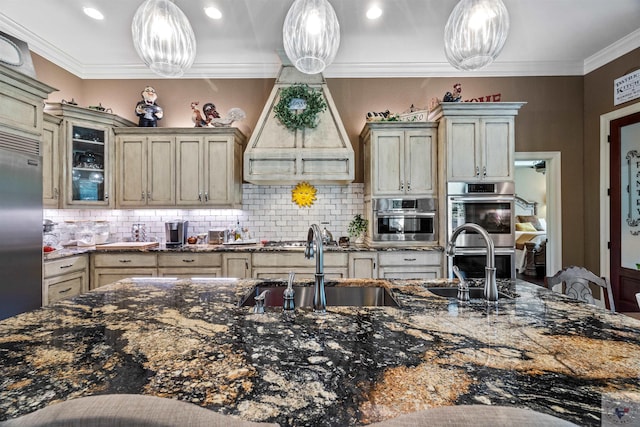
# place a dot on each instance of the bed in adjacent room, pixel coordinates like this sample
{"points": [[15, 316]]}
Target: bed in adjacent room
{"points": [[531, 239]]}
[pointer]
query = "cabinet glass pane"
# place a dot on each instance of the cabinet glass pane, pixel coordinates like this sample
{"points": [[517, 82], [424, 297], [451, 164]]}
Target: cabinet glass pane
{"points": [[88, 154]]}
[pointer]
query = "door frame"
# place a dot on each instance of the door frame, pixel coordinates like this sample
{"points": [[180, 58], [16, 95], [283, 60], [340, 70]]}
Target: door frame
{"points": [[605, 208], [553, 182]]}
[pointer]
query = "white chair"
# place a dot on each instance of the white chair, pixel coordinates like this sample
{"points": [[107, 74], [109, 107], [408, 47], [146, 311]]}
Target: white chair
{"points": [[575, 284], [127, 410]]}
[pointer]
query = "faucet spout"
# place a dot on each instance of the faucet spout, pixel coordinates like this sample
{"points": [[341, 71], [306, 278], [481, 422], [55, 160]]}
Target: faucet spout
{"points": [[314, 238], [490, 285]]}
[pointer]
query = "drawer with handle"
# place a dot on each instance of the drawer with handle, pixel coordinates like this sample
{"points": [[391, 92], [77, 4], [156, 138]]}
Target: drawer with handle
{"points": [[403, 258], [65, 265], [124, 259], [187, 259], [64, 287]]}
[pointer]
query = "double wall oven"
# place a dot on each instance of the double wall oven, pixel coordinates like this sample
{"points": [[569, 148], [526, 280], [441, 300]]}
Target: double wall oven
{"points": [[491, 206]]}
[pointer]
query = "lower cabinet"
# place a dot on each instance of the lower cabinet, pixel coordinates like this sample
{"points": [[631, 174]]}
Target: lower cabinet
{"points": [[109, 268], [410, 264], [64, 278], [186, 265], [278, 265], [363, 265], [236, 264]]}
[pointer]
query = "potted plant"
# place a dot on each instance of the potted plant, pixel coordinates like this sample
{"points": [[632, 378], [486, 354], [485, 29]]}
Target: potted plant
{"points": [[358, 228]]}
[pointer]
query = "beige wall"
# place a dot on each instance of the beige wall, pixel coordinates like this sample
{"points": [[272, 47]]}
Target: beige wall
{"points": [[552, 120]]}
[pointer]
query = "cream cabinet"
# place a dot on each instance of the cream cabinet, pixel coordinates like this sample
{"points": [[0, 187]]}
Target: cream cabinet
{"points": [[277, 265], [209, 168], [400, 158], [478, 140], [146, 169], [363, 265], [50, 151], [111, 267], [410, 264], [65, 278], [189, 264], [236, 264], [86, 140]]}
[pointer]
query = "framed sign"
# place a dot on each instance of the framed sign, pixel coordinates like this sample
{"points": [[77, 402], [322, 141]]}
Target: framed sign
{"points": [[626, 88]]}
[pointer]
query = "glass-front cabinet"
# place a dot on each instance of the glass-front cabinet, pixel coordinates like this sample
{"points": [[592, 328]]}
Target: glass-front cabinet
{"points": [[88, 158], [88, 152]]}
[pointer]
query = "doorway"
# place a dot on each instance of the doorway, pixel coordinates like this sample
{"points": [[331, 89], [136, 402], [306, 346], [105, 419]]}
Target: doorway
{"points": [[622, 287], [553, 181], [624, 180]]}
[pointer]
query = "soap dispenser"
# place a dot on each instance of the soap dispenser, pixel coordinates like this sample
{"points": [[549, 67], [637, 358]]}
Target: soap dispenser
{"points": [[289, 304]]}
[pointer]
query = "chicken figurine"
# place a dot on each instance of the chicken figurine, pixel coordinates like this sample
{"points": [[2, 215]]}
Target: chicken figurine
{"points": [[209, 117]]}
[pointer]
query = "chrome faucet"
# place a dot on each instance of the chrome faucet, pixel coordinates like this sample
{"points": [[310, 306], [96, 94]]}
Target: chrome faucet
{"points": [[314, 238], [490, 285]]}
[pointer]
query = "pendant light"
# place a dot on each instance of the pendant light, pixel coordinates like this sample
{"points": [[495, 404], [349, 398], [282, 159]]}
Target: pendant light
{"points": [[163, 38], [475, 33], [311, 35]]}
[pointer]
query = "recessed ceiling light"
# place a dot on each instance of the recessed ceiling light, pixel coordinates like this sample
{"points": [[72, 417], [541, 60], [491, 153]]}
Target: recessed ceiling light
{"points": [[374, 12], [213, 12], [93, 13]]}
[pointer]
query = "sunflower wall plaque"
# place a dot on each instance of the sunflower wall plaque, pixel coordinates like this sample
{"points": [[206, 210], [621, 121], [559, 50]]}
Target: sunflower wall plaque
{"points": [[303, 194], [299, 106]]}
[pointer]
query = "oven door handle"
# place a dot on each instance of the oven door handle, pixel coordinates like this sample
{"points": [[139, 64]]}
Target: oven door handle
{"points": [[405, 214], [482, 199]]}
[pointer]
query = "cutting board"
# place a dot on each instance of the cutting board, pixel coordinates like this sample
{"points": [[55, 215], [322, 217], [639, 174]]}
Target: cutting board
{"points": [[128, 245]]}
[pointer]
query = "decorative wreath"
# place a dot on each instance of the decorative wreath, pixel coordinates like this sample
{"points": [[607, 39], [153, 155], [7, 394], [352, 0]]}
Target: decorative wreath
{"points": [[303, 195], [293, 118]]}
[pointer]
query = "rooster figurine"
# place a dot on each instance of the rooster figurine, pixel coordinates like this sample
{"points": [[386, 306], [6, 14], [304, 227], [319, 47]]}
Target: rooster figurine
{"points": [[211, 117]]}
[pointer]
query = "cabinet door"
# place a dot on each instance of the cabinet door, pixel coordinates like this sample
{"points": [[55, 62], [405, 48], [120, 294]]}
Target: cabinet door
{"points": [[218, 164], [463, 139], [388, 163], [88, 164], [50, 165], [498, 148], [189, 187], [161, 171], [132, 185], [420, 162], [236, 265], [363, 265]]}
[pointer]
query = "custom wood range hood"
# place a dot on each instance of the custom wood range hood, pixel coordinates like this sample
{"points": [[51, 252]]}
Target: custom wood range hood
{"points": [[277, 155]]}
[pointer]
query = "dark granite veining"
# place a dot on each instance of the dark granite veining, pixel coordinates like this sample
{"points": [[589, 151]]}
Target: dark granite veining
{"points": [[189, 340]]}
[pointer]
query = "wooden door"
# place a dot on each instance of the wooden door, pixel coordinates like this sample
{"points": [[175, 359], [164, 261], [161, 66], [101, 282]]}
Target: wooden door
{"points": [[161, 171], [50, 165], [625, 211], [463, 157], [218, 180], [419, 162], [189, 186], [498, 149], [388, 163], [132, 182]]}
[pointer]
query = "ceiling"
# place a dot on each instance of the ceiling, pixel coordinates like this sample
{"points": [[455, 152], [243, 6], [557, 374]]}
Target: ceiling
{"points": [[547, 37]]}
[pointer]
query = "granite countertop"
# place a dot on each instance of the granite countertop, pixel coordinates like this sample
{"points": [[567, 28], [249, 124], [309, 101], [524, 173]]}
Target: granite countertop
{"points": [[189, 340], [71, 250]]}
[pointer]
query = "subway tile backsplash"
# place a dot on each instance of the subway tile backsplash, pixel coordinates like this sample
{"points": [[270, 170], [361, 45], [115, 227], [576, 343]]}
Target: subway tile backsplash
{"points": [[267, 211]]}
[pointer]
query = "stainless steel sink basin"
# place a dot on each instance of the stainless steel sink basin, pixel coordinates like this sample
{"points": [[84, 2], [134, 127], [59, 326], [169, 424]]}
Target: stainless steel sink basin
{"points": [[474, 293], [366, 296]]}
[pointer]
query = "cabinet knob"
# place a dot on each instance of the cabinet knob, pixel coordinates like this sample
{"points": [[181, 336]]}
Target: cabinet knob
{"points": [[401, 185], [408, 186], [188, 260], [200, 196], [124, 260], [148, 195], [206, 196], [484, 171], [142, 196], [55, 193], [477, 171], [106, 196]]}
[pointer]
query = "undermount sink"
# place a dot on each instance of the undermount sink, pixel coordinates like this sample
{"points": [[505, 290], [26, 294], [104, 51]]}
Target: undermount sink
{"points": [[352, 296], [452, 292]]}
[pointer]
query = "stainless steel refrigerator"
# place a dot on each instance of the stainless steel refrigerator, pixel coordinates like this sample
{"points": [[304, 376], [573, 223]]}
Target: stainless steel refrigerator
{"points": [[20, 225]]}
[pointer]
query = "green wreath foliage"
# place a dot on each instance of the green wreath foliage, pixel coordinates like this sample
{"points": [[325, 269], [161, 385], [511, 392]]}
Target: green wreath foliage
{"points": [[308, 118]]}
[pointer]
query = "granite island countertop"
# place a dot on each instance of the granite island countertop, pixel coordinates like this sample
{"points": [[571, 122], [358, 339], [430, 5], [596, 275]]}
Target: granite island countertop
{"points": [[189, 340]]}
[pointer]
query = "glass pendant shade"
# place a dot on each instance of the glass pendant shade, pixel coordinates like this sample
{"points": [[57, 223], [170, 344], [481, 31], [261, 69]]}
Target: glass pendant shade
{"points": [[163, 38], [311, 35], [475, 33]]}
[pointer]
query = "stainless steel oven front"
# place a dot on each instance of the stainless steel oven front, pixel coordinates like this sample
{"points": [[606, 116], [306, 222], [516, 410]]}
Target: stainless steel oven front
{"points": [[489, 205], [405, 220], [472, 262]]}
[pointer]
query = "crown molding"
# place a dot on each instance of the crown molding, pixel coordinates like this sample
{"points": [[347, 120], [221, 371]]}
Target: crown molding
{"points": [[613, 51]]}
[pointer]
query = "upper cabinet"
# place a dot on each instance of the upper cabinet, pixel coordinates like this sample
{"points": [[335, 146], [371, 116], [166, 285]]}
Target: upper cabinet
{"points": [[179, 167], [400, 158], [87, 153], [50, 151], [477, 140]]}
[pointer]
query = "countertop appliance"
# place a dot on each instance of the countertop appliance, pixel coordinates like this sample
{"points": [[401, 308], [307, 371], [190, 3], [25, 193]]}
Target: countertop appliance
{"points": [[405, 220], [490, 205], [20, 225], [176, 233]]}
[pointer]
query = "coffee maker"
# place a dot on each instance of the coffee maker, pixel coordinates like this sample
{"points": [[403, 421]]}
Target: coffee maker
{"points": [[176, 233]]}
